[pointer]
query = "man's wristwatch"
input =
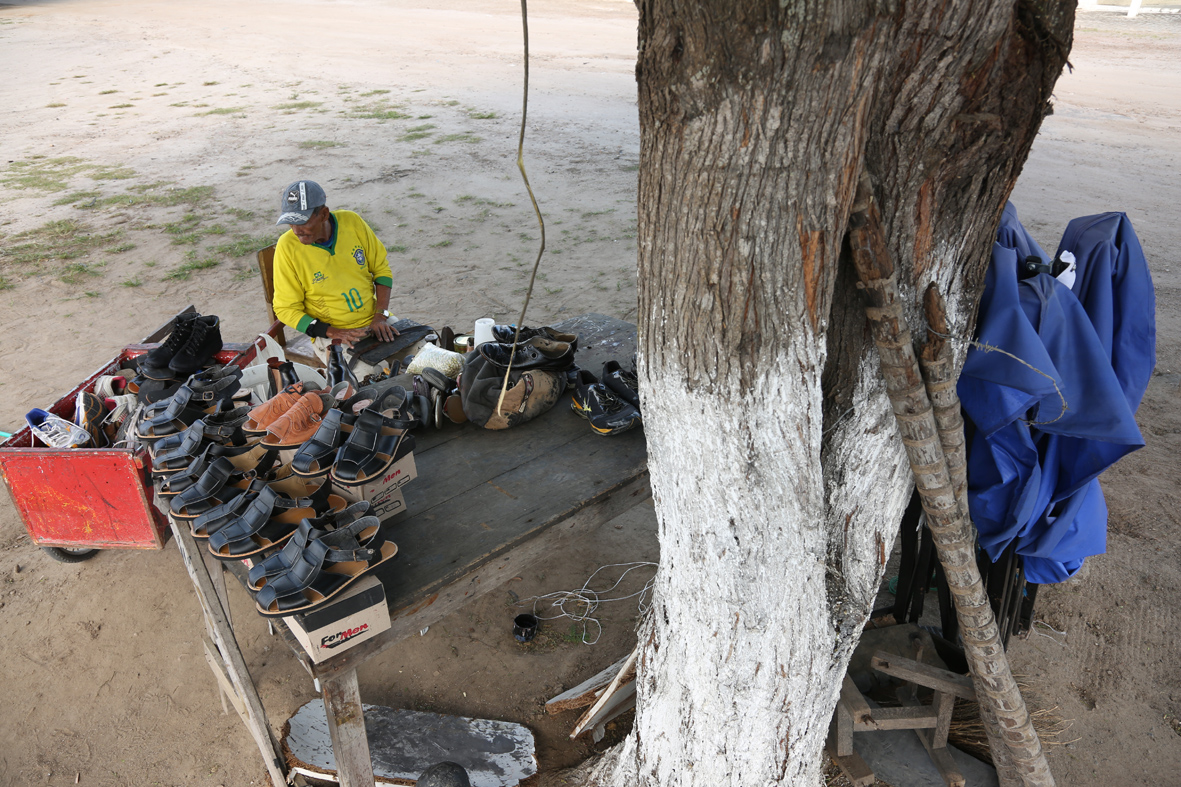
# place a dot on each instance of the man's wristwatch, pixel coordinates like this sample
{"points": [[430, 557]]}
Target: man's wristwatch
{"points": [[384, 313]]}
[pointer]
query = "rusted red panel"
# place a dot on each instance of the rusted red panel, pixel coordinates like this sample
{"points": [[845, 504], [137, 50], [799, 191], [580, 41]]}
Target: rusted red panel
{"points": [[89, 497], [83, 498]]}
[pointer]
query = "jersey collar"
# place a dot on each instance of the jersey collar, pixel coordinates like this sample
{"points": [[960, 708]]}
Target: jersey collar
{"points": [[330, 246]]}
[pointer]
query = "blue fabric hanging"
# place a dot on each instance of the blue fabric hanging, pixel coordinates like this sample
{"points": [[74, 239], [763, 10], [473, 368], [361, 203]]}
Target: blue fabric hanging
{"points": [[1046, 428]]}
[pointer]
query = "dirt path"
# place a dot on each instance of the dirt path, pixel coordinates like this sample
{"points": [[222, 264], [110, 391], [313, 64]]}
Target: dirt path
{"points": [[144, 146]]}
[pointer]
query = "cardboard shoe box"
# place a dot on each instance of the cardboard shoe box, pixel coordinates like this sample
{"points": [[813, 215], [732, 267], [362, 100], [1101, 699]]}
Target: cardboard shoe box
{"points": [[385, 493], [359, 614]]}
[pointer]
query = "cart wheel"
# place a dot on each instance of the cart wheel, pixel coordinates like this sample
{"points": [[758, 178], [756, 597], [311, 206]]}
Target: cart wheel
{"points": [[70, 555]]}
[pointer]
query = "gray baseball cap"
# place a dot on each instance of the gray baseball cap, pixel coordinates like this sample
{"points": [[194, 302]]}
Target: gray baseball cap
{"points": [[299, 200]]}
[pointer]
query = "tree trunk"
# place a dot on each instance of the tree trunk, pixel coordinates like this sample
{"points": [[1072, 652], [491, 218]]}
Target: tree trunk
{"points": [[775, 462]]}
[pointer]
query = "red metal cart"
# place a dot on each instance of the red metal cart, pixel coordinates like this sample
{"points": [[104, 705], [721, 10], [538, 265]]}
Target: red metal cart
{"points": [[78, 500]]}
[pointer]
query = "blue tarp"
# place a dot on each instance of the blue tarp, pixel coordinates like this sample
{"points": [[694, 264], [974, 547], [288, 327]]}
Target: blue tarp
{"points": [[1048, 424]]}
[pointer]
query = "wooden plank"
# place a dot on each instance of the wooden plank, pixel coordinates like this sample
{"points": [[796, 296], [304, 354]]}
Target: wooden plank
{"points": [[346, 726], [843, 729], [586, 692], [940, 756], [213, 658], [912, 718], [923, 674], [944, 705], [855, 769], [410, 620], [856, 703], [255, 717], [622, 686]]}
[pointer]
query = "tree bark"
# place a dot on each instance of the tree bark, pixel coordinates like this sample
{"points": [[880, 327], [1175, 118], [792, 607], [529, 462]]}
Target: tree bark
{"points": [[776, 467]]}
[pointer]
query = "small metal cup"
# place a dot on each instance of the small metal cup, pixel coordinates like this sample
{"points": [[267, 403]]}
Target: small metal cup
{"points": [[524, 627]]}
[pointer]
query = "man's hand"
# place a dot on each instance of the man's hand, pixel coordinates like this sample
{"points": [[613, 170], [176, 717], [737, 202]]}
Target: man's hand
{"points": [[347, 336], [382, 329]]}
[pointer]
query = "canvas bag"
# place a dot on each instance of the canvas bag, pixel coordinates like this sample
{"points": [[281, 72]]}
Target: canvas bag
{"points": [[530, 393]]}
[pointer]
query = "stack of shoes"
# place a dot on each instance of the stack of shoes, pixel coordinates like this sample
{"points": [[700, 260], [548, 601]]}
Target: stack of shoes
{"points": [[209, 392], [319, 564], [612, 405], [369, 436]]}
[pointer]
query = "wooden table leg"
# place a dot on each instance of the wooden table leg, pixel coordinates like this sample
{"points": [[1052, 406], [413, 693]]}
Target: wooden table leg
{"points": [[227, 646], [346, 725]]}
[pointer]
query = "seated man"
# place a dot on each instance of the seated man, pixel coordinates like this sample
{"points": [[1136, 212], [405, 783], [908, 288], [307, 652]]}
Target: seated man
{"points": [[332, 279]]}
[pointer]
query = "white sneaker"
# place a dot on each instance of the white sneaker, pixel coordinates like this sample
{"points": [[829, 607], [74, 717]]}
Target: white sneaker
{"points": [[56, 432], [109, 386]]}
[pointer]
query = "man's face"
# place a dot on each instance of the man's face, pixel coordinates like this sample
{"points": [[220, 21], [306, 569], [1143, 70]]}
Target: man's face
{"points": [[316, 230]]}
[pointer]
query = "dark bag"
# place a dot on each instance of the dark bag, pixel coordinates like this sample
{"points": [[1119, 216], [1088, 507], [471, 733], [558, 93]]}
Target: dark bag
{"points": [[530, 393]]}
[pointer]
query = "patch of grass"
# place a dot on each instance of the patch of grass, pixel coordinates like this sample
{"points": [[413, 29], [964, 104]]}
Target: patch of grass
{"points": [[65, 239], [441, 244], [462, 198], [91, 293], [425, 117], [160, 84], [5, 284], [55, 105], [77, 271], [464, 137], [131, 282], [122, 247], [222, 110], [240, 214], [43, 174], [247, 273], [179, 104], [591, 213], [477, 115], [76, 196], [378, 92], [398, 249], [293, 105], [120, 106], [320, 144], [416, 194], [107, 92], [243, 245], [181, 273], [208, 84], [154, 95], [412, 135], [194, 195]]}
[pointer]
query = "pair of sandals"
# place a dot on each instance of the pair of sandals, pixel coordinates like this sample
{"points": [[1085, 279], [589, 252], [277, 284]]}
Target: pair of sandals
{"points": [[209, 392], [322, 558], [264, 515], [358, 442]]}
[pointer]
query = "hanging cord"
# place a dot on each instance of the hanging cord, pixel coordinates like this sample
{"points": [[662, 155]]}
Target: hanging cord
{"points": [[988, 348], [536, 210], [580, 605]]}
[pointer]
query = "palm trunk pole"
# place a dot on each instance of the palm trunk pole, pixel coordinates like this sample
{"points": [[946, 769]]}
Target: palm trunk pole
{"points": [[950, 527]]}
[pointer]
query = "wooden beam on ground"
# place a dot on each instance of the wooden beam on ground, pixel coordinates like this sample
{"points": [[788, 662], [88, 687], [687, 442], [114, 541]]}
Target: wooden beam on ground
{"points": [[255, 717], [854, 701], [923, 674], [854, 768], [587, 692], [617, 692]]}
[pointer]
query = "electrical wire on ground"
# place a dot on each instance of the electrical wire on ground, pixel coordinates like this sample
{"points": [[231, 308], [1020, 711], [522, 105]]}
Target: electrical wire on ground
{"points": [[580, 605]]}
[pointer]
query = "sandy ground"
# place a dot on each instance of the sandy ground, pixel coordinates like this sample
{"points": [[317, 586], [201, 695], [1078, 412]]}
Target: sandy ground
{"points": [[144, 145]]}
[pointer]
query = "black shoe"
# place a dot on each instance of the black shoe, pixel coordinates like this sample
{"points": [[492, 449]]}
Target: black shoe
{"points": [[160, 357], [203, 343], [504, 334], [607, 413], [622, 382], [536, 354]]}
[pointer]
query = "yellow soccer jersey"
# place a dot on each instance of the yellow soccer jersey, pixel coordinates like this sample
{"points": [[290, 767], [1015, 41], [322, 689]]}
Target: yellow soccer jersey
{"points": [[332, 282]]}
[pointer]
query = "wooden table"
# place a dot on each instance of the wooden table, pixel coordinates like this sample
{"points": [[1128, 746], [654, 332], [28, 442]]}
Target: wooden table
{"points": [[486, 504]]}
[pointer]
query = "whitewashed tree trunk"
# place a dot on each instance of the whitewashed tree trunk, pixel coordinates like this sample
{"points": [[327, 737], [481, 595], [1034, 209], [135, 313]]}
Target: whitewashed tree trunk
{"points": [[776, 466]]}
